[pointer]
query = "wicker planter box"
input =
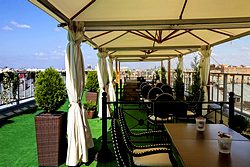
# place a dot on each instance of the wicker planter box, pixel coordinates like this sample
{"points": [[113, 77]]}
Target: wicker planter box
{"points": [[90, 114], [51, 138]]}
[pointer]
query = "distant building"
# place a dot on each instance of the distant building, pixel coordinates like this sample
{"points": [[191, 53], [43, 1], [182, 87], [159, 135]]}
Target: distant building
{"points": [[228, 69]]}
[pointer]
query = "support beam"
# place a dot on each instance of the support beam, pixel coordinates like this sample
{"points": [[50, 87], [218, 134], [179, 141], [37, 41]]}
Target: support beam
{"points": [[174, 24], [169, 71], [194, 47], [161, 69]]}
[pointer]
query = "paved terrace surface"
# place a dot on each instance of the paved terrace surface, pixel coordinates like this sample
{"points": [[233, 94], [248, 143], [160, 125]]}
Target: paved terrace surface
{"points": [[10, 110]]}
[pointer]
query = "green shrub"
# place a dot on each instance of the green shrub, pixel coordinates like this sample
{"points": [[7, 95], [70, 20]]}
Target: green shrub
{"points": [[240, 123], [90, 105], [50, 90], [157, 76], [92, 84], [179, 84], [196, 84], [163, 75]]}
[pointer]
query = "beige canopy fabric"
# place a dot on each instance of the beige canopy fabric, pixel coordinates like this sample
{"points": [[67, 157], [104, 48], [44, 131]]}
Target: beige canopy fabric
{"points": [[103, 79], [78, 132], [151, 28]]}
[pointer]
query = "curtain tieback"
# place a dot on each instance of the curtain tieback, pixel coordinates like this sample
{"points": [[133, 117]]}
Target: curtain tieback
{"points": [[79, 103]]}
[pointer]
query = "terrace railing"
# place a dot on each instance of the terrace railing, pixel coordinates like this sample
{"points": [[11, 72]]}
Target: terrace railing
{"points": [[219, 86], [25, 90]]}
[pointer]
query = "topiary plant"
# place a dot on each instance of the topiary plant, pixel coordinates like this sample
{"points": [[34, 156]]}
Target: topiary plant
{"points": [[92, 84], [157, 76], [179, 84], [240, 123], [196, 84], [50, 90], [163, 75]]}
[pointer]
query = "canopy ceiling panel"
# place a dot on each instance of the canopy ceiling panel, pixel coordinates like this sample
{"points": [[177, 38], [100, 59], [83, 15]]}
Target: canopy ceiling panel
{"points": [[216, 9], [152, 52], [148, 25], [126, 40], [110, 10]]}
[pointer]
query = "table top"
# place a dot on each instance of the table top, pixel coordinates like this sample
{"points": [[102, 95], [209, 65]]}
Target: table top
{"points": [[205, 153], [201, 148], [188, 131]]}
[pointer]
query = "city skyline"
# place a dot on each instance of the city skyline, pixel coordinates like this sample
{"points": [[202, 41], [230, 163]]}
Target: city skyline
{"points": [[30, 38]]}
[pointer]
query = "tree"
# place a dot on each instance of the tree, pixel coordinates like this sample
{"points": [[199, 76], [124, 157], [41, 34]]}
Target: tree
{"points": [[50, 90], [163, 75], [179, 84], [157, 76], [92, 84], [196, 84]]}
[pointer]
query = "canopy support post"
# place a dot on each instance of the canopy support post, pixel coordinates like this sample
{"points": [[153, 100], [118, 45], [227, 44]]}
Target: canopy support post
{"points": [[104, 154], [169, 70]]}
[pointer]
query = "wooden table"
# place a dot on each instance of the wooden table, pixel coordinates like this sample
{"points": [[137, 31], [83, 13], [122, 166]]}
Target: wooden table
{"points": [[197, 149], [188, 131]]}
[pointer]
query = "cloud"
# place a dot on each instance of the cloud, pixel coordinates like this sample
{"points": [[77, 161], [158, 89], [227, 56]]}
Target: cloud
{"points": [[56, 54], [41, 56], [17, 25], [7, 28], [57, 29]]}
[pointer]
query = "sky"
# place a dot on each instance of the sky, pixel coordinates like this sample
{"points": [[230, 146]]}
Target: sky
{"points": [[30, 38]]}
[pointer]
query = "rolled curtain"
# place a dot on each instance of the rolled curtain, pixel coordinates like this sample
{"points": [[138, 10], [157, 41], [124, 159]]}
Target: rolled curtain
{"points": [[79, 135], [180, 62], [205, 53], [111, 90], [103, 79]]}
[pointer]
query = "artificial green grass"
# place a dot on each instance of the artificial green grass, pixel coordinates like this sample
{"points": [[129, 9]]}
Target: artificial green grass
{"points": [[18, 140]]}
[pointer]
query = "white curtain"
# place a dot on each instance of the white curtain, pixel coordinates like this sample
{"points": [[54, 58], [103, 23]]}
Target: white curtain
{"points": [[180, 62], [111, 90], [79, 135], [205, 53], [103, 79]]}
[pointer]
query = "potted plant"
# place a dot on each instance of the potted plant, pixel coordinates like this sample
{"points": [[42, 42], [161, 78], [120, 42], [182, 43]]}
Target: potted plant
{"points": [[196, 84], [92, 86], [163, 75], [179, 85], [50, 94], [90, 107]]}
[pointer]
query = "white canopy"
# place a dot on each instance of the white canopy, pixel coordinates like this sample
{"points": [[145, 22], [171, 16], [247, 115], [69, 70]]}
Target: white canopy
{"points": [[146, 30]]}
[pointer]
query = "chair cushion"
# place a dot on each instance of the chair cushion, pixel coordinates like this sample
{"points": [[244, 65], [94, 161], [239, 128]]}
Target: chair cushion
{"points": [[138, 151], [152, 118], [160, 159], [190, 114]]}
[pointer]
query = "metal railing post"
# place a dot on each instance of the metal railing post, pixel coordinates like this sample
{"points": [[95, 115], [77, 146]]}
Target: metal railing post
{"points": [[104, 154], [241, 93], [231, 110], [120, 88], [116, 103]]}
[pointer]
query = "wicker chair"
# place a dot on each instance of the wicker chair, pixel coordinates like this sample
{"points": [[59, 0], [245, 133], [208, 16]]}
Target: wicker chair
{"points": [[126, 130], [154, 92], [143, 84], [162, 112], [129, 155], [159, 84], [145, 90], [167, 89]]}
